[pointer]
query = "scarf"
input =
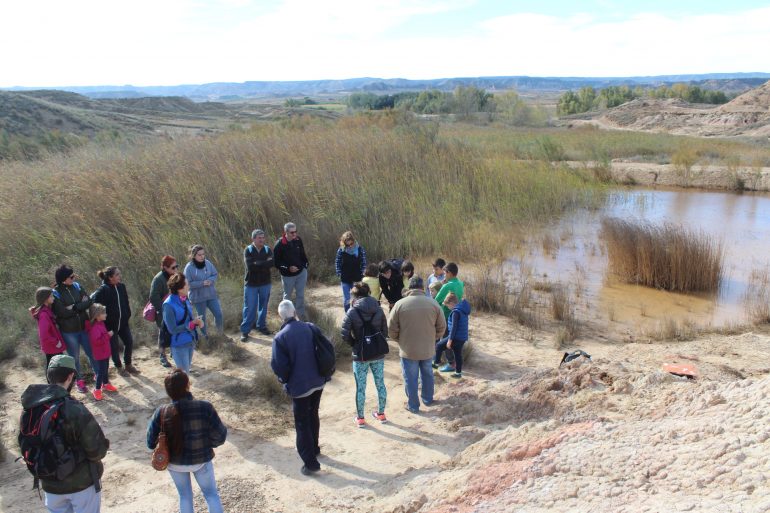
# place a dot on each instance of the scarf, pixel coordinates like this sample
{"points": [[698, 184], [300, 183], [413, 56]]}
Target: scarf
{"points": [[352, 250], [199, 265]]}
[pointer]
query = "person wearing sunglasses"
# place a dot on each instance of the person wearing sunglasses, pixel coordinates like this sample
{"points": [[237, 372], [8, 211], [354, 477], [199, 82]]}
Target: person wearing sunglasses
{"points": [[158, 294], [291, 261]]}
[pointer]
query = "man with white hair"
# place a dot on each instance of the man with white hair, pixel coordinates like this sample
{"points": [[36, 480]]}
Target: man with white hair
{"points": [[294, 363], [292, 263]]}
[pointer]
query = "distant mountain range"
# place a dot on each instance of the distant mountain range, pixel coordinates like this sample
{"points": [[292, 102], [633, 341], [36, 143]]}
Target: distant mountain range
{"points": [[224, 91]]}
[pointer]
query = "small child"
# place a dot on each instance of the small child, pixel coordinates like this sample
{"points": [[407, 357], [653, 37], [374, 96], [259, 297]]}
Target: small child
{"points": [[434, 288], [371, 278], [457, 337], [438, 276], [51, 341], [100, 347], [407, 271]]}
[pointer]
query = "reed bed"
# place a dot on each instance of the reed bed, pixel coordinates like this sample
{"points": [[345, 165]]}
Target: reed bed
{"points": [[666, 256]]}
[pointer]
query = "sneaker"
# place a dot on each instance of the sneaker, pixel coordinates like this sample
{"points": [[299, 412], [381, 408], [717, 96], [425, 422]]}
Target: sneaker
{"points": [[379, 416], [265, 331], [109, 387], [434, 365], [447, 368], [97, 394], [244, 338], [82, 388], [164, 361], [132, 370], [360, 422], [456, 375]]}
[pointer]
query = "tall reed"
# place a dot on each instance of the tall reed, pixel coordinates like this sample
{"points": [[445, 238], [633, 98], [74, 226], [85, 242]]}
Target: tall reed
{"points": [[401, 190], [663, 256]]}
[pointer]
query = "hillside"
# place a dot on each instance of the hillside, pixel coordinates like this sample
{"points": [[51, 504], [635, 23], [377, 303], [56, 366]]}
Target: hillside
{"points": [[747, 114]]}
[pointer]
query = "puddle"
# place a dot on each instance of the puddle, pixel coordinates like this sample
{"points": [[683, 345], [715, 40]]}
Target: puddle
{"points": [[571, 252]]}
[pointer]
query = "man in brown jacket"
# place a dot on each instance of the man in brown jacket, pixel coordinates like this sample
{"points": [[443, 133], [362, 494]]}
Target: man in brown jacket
{"points": [[415, 323]]}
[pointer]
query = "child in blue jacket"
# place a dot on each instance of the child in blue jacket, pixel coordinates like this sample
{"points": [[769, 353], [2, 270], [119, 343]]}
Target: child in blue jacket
{"points": [[457, 328]]}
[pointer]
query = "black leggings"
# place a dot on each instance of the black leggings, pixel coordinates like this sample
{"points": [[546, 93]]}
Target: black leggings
{"points": [[128, 346]]}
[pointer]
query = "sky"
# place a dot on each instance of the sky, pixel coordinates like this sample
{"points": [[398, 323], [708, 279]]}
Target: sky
{"points": [[48, 43]]}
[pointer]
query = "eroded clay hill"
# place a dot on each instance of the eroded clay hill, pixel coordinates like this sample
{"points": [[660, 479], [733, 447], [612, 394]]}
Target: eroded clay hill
{"points": [[747, 114]]}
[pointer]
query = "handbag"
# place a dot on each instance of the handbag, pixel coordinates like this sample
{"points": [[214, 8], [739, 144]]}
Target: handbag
{"points": [[160, 455], [149, 313]]}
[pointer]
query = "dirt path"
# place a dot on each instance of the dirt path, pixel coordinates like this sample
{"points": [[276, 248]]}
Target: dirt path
{"points": [[514, 434]]}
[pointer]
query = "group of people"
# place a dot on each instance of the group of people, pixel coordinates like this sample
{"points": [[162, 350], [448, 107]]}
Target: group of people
{"points": [[427, 319]]}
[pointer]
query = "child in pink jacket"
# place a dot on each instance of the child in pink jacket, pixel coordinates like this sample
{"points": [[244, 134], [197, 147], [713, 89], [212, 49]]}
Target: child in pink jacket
{"points": [[51, 341], [100, 346]]}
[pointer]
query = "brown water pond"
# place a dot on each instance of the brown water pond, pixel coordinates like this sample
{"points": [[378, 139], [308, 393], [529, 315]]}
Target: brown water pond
{"points": [[570, 252]]}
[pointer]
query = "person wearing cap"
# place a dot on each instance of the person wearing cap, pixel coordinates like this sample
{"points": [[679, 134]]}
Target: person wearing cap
{"points": [[80, 491], [258, 260], [415, 323], [70, 306]]}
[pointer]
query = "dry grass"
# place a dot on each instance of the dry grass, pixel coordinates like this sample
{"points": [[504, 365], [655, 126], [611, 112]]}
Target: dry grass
{"points": [[563, 310], [671, 330], [263, 384], [756, 299], [665, 256]]}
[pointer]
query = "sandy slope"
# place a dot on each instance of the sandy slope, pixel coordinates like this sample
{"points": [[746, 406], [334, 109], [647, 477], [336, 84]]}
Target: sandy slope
{"points": [[515, 435]]}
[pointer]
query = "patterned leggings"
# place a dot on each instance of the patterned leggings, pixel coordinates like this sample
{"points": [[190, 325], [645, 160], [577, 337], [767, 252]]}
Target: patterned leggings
{"points": [[360, 370]]}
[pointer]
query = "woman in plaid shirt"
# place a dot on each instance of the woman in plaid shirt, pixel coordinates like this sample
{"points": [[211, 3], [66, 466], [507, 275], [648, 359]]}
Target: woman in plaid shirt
{"points": [[193, 429]]}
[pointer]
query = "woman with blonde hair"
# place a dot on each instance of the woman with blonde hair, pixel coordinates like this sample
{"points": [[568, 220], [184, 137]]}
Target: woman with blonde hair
{"points": [[350, 265]]}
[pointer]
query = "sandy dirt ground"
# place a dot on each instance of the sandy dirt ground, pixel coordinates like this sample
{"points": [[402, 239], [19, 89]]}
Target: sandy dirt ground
{"points": [[516, 434]]}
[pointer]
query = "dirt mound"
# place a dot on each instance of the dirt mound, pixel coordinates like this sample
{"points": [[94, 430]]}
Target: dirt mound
{"points": [[748, 114]]}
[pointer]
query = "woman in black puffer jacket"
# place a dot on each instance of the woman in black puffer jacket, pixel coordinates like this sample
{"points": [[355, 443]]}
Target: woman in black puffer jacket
{"points": [[360, 328], [113, 295]]}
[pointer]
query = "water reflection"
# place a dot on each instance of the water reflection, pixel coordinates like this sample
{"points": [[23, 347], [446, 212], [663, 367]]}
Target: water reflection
{"points": [[570, 252]]}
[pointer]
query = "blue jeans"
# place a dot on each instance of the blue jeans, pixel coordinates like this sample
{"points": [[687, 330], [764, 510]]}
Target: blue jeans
{"points": [[74, 341], [182, 356], [457, 351], [216, 309], [411, 369], [296, 284], [255, 300], [346, 295], [205, 478]]}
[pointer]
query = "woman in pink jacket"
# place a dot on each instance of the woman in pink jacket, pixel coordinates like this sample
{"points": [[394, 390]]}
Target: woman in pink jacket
{"points": [[51, 341]]}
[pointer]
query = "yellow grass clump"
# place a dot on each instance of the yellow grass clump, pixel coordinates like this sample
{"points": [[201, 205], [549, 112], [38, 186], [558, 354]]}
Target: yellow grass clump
{"points": [[664, 256]]}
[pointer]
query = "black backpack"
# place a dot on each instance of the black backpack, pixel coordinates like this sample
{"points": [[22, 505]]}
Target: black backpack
{"points": [[325, 355], [369, 341], [43, 445]]}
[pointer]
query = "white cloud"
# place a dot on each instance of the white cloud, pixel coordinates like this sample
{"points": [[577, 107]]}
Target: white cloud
{"points": [[89, 42]]}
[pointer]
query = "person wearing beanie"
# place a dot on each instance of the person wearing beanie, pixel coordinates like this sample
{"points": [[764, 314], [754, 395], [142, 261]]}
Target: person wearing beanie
{"points": [[80, 490], [51, 341], [70, 306]]}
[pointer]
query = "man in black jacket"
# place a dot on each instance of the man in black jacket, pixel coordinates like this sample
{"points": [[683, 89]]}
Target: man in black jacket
{"points": [[79, 491], [292, 263], [258, 260]]}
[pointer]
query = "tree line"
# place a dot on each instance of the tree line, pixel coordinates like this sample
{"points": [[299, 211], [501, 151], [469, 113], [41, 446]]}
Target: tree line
{"points": [[465, 102], [588, 98]]}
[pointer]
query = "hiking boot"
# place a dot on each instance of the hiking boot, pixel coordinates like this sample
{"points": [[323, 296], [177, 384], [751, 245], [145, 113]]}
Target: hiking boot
{"points": [[265, 331], [447, 368], [456, 375], [244, 337], [82, 388], [109, 387], [379, 416], [164, 361], [132, 370], [97, 394], [434, 365], [360, 422]]}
